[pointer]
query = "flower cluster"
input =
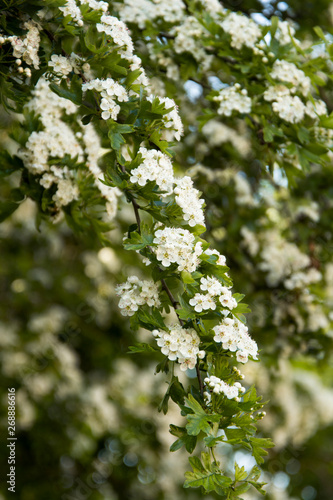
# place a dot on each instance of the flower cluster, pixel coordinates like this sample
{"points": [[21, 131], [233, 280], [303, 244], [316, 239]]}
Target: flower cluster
{"points": [[281, 258], [142, 11], [243, 31], [284, 32], [180, 344], [119, 33], [221, 260], [188, 198], [62, 66], [303, 279], [289, 108], [109, 91], [172, 122], [156, 167], [58, 140], [218, 386], [188, 36], [176, 245], [71, 9], [233, 99], [234, 336], [25, 48], [316, 108], [96, 4], [285, 71], [276, 92], [215, 291], [213, 7], [218, 133], [134, 293]]}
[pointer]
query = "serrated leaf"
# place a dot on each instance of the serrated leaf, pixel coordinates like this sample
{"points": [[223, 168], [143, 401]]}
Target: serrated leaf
{"points": [[199, 420], [135, 242], [187, 277], [74, 93], [142, 347], [183, 439], [150, 321], [240, 473], [258, 448], [235, 436], [210, 480]]}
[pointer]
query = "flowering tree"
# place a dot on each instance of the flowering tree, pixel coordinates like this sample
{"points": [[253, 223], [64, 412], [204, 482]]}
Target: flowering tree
{"points": [[98, 142]]}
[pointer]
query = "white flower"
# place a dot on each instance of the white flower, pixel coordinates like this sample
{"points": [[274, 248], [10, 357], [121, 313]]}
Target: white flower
{"points": [[212, 285], [67, 191], [180, 344], [110, 109], [176, 245], [119, 33], [285, 71], [221, 261], [233, 99], [188, 198], [71, 9], [202, 302], [290, 109], [156, 166], [218, 386], [243, 31], [60, 64], [172, 121], [273, 93], [316, 109], [234, 336], [134, 293]]}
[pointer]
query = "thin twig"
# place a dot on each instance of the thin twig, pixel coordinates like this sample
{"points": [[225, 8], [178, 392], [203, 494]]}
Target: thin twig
{"points": [[165, 287], [197, 369]]}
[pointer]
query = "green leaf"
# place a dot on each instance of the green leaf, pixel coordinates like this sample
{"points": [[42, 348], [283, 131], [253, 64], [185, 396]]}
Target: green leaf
{"points": [[9, 206], [235, 436], [258, 487], [209, 476], [9, 164], [241, 308], [134, 242], [183, 439], [150, 321], [274, 25], [240, 473], [116, 131], [142, 347], [6, 209], [327, 122], [187, 277], [74, 93], [177, 391], [164, 404], [155, 138], [199, 420], [319, 32], [211, 441], [238, 296], [91, 39], [258, 445]]}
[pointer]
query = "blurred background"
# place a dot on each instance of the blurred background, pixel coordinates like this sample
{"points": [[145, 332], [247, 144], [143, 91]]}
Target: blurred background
{"points": [[87, 419]]}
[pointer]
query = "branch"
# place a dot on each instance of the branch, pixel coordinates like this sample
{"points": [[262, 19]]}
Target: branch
{"points": [[165, 287], [197, 369]]}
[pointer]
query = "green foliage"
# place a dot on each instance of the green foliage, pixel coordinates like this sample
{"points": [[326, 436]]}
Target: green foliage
{"points": [[206, 475], [260, 173]]}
